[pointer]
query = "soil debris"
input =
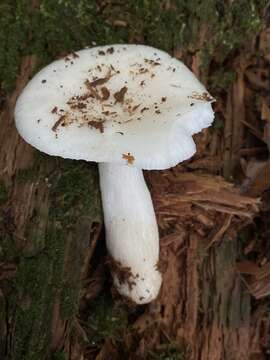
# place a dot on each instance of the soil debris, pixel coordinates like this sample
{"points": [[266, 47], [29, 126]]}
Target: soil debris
{"points": [[99, 125], [119, 95], [97, 82], [105, 93], [60, 121], [130, 158], [123, 274]]}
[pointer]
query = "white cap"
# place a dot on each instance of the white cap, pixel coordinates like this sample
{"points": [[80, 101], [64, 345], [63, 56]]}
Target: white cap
{"points": [[125, 104]]}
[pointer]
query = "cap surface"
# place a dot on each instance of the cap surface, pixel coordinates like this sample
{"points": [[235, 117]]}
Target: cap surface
{"points": [[128, 104]]}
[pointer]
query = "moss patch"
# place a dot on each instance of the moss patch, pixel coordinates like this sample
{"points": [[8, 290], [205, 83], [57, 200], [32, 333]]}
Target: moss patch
{"points": [[3, 192], [65, 205], [107, 320], [169, 351], [75, 189]]}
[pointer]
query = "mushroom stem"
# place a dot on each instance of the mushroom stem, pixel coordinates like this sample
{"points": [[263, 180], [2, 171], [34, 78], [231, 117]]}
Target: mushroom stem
{"points": [[131, 232]]}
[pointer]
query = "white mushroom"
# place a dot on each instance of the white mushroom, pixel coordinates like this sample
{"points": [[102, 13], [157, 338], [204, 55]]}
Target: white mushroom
{"points": [[127, 107]]}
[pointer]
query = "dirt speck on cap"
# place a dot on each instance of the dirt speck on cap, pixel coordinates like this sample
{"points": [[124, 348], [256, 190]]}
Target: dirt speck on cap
{"points": [[144, 109], [110, 50], [130, 158], [119, 95], [105, 93], [74, 55], [97, 82], [203, 97], [97, 125], [59, 122]]}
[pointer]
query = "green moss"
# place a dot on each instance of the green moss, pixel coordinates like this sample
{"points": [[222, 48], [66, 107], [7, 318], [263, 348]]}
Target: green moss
{"points": [[59, 356], [3, 192], [7, 243], [34, 291], [24, 175], [218, 123], [169, 351], [72, 190], [66, 203], [221, 79], [107, 320], [225, 300]]}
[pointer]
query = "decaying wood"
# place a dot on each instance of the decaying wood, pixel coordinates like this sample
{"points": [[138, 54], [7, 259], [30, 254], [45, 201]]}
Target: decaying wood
{"points": [[41, 255], [203, 304], [201, 287]]}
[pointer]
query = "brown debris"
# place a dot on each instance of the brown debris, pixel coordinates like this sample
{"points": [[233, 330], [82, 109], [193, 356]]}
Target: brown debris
{"points": [[105, 93], [209, 193], [123, 274], [152, 62], [257, 279], [110, 50], [74, 55], [119, 95], [135, 107], [60, 121], [143, 70], [130, 158], [199, 216], [82, 97], [93, 92], [204, 97], [78, 106], [97, 82], [97, 125], [144, 109]]}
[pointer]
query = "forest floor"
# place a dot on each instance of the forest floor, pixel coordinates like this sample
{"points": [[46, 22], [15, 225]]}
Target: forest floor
{"points": [[213, 211]]}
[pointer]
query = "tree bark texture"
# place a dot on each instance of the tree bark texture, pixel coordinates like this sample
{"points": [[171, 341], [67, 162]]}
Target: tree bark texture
{"points": [[51, 208]]}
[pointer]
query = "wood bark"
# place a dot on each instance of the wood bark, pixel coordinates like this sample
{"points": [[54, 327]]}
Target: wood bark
{"points": [[45, 226]]}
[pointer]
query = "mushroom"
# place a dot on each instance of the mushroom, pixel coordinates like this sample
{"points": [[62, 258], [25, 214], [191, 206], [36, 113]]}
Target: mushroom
{"points": [[128, 108]]}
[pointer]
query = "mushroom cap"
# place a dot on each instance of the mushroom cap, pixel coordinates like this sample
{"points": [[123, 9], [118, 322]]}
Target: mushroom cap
{"points": [[129, 104]]}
